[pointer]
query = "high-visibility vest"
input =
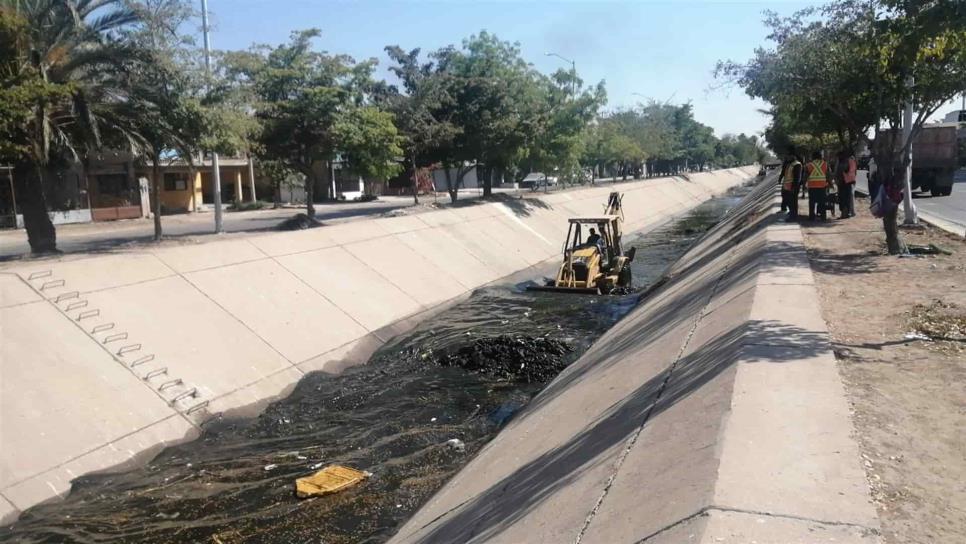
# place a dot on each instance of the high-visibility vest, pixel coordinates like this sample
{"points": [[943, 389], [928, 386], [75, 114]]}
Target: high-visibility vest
{"points": [[850, 173], [789, 183], [817, 173]]}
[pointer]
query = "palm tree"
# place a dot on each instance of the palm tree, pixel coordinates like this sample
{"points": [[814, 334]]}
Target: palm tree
{"points": [[79, 52]]}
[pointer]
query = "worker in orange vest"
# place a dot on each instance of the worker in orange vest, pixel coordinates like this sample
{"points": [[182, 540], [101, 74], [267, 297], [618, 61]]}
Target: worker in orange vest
{"points": [[816, 180], [791, 177], [847, 191]]}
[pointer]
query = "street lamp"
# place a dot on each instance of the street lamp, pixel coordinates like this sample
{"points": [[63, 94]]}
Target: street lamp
{"points": [[573, 69]]}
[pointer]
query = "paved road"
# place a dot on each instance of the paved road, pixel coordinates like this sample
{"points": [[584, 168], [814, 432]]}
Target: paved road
{"points": [[104, 236], [950, 210], [99, 236]]}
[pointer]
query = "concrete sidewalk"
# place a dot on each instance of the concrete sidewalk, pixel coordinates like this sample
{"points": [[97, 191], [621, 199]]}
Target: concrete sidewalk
{"points": [[713, 413]]}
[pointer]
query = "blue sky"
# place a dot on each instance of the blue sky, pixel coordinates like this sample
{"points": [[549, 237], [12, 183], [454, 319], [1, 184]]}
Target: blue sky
{"points": [[665, 50]]}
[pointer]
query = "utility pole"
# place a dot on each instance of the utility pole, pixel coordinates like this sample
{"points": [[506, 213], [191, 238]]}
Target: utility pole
{"points": [[215, 166], [908, 207]]}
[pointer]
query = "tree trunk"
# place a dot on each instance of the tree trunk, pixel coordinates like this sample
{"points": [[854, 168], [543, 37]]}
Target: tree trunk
{"points": [[451, 188], [487, 172], [32, 202], [310, 195], [415, 181], [891, 227], [156, 195], [277, 196]]}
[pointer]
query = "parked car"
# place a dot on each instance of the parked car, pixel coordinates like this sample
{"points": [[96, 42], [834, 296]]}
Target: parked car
{"points": [[537, 179]]}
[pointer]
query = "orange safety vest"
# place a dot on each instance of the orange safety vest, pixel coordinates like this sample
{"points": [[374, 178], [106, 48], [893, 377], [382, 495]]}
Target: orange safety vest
{"points": [[850, 173], [789, 183], [817, 175]]}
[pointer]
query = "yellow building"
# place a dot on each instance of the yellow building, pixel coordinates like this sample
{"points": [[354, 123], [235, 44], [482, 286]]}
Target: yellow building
{"points": [[118, 186]]}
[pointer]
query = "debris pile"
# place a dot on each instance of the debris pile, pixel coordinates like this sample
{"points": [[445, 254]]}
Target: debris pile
{"points": [[511, 358], [939, 321], [299, 221]]}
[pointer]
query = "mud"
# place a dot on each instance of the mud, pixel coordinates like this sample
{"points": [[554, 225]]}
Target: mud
{"points": [[462, 375]]}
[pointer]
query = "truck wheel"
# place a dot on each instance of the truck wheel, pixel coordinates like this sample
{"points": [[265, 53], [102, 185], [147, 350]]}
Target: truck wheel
{"points": [[935, 191], [947, 191]]}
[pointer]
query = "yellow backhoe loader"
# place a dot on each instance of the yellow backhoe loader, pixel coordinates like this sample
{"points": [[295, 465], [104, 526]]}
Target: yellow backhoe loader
{"points": [[594, 261]]}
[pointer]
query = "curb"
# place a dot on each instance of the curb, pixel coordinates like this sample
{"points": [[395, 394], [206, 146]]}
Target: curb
{"points": [[943, 224]]}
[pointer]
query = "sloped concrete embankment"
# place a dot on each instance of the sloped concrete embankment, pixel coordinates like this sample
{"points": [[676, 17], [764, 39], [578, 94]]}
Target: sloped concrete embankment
{"points": [[107, 358], [712, 413]]}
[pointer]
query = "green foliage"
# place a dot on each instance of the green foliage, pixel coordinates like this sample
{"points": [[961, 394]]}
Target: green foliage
{"points": [[299, 97], [851, 66], [369, 142]]}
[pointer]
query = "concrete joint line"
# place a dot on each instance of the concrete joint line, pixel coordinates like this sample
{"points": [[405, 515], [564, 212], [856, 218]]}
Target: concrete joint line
{"points": [[667, 378], [726, 509], [316, 291], [256, 382], [92, 450], [237, 319], [9, 502], [111, 353]]}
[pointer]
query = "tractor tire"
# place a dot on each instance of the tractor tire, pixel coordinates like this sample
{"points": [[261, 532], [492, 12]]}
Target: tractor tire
{"points": [[935, 191], [946, 191], [624, 279]]}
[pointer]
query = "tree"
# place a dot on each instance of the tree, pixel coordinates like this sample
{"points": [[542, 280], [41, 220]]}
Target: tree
{"points": [[370, 143], [851, 66], [420, 110], [62, 61], [162, 117], [301, 94], [560, 114], [489, 85]]}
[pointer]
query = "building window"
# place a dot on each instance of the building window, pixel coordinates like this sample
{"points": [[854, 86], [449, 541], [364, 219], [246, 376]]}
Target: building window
{"points": [[174, 181]]}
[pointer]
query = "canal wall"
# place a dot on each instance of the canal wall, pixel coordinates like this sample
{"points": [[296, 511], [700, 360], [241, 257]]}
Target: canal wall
{"points": [[712, 413], [107, 358]]}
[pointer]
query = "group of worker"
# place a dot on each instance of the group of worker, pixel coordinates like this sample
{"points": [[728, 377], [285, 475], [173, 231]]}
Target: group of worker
{"points": [[816, 177]]}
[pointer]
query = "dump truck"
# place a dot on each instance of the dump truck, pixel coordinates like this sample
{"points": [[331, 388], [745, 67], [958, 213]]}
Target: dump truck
{"points": [[935, 156], [594, 266]]}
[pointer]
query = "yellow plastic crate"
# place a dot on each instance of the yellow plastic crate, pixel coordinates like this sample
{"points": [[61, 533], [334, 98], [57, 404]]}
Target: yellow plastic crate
{"points": [[331, 479]]}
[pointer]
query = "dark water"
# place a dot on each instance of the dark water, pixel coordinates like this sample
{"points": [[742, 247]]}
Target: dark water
{"points": [[391, 417]]}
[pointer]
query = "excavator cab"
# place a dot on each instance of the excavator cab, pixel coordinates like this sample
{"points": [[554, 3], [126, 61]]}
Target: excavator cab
{"points": [[593, 266]]}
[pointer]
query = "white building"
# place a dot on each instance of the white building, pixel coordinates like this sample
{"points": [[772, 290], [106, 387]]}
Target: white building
{"points": [[955, 116]]}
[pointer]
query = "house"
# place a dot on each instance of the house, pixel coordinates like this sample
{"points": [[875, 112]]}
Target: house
{"points": [[114, 186]]}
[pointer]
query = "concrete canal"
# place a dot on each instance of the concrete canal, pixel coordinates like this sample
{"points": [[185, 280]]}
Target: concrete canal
{"points": [[461, 375]]}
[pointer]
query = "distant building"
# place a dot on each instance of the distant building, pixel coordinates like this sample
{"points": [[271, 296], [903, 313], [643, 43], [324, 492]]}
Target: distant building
{"points": [[115, 186], [955, 116]]}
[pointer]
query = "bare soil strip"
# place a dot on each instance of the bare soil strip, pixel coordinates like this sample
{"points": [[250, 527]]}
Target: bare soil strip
{"points": [[898, 328]]}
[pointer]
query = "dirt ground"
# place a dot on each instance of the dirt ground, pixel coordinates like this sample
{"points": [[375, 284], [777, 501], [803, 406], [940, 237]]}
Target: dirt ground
{"points": [[898, 329]]}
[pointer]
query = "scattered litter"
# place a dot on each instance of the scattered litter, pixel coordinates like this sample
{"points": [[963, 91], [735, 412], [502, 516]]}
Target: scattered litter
{"points": [[916, 336], [456, 444], [433, 420], [331, 479], [272, 466], [316, 466]]}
